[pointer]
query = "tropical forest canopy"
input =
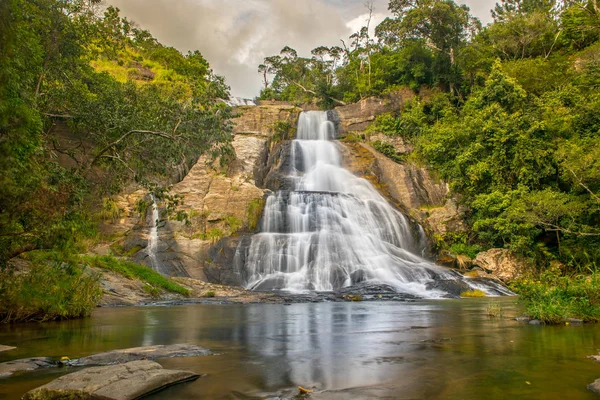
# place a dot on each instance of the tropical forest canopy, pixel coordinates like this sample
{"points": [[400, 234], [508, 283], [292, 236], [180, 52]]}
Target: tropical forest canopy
{"points": [[136, 112], [508, 114]]}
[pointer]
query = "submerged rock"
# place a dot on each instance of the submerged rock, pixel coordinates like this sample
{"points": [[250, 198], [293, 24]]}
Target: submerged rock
{"points": [[595, 387], [6, 348], [139, 353], [117, 382], [26, 364]]}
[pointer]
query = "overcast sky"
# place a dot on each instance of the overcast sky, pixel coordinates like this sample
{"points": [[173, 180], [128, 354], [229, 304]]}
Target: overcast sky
{"points": [[236, 35]]}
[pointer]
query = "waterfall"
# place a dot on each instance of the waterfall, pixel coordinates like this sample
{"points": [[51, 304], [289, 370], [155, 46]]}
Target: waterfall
{"points": [[153, 238], [335, 230]]}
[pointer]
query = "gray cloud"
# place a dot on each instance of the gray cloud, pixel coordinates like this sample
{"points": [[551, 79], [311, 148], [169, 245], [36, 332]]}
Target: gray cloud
{"points": [[236, 35]]}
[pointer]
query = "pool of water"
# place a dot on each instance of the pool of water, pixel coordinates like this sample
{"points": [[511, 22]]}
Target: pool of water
{"points": [[447, 349]]}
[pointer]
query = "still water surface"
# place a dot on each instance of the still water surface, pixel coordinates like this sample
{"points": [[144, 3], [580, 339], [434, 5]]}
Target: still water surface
{"points": [[446, 349]]}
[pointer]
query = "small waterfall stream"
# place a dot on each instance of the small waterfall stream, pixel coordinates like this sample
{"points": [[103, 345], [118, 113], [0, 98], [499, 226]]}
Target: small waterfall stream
{"points": [[153, 238], [335, 230]]}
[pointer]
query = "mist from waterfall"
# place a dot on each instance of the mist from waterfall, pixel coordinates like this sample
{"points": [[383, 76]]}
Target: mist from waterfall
{"points": [[335, 229]]}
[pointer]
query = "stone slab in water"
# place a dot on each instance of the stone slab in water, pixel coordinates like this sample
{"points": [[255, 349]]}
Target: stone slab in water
{"points": [[139, 353], [595, 387], [26, 364], [127, 381], [595, 358], [6, 348]]}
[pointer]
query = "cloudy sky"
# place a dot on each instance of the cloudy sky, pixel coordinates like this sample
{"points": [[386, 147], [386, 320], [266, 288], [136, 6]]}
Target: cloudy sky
{"points": [[236, 35]]}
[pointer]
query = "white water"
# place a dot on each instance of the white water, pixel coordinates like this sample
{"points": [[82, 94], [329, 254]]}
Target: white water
{"points": [[335, 229], [153, 238]]}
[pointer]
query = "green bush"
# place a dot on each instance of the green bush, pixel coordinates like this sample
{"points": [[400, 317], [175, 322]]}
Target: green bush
{"points": [[255, 210], [554, 298], [50, 290], [389, 150], [135, 271], [209, 294]]}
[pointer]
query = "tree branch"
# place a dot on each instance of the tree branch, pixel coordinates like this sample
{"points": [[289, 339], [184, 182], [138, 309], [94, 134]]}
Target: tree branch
{"points": [[555, 228], [580, 182], [313, 92], [125, 136]]}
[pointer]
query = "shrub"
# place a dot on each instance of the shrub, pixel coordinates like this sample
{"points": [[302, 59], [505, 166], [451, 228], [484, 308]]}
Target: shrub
{"points": [[209, 294], [473, 293], [389, 151], [135, 271], [554, 298], [50, 290], [255, 210]]}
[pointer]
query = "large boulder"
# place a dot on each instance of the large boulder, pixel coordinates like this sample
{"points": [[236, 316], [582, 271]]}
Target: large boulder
{"points": [[358, 116], [259, 120], [116, 382], [501, 263]]}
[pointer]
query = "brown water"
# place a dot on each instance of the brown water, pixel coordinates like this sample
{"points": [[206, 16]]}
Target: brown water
{"points": [[425, 350]]}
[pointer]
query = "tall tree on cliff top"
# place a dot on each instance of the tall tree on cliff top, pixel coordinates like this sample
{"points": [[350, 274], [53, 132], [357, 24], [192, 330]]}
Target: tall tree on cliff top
{"points": [[443, 25]]}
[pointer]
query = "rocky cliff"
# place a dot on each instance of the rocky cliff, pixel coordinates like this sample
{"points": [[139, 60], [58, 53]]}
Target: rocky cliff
{"points": [[222, 205]]}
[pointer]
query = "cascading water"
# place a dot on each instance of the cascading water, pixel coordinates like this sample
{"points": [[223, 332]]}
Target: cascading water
{"points": [[335, 230], [153, 238]]}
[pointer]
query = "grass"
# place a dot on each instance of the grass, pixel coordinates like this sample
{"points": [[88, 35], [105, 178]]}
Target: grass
{"points": [[209, 294], [495, 310], [132, 270], [553, 298], [255, 210], [473, 293]]}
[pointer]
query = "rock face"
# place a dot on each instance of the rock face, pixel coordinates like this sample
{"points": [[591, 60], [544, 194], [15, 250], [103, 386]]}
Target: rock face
{"points": [[358, 116], [27, 364], [501, 263], [139, 353], [117, 382], [259, 120], [220, 201]]}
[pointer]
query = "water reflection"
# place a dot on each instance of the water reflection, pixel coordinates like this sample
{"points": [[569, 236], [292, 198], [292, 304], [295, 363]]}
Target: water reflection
{"points": [[444, 349]]}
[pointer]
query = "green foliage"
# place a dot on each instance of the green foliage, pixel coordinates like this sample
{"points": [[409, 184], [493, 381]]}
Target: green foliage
{"points": [[553, 298], [214, 235], [255, 210], [464, 249], [389, 151], [145, 110], [209, 294], [55, 287], [234, 224], [473, 293], [135, 271]]}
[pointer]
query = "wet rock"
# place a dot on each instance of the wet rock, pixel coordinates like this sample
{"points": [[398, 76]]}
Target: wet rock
{"points": [[118, 382], [535, 322], [6, 348], [139, 353], [501, 263], [595, 387], [523, 319], [453, 287], [575, 321], [595, 358], [26, 364]]}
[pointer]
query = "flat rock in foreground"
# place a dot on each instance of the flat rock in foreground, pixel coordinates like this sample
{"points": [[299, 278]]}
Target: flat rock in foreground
{"points": [[26, 364], [595, 358], [139, 353], [6, 348], [127, 381], [595, 387]]}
